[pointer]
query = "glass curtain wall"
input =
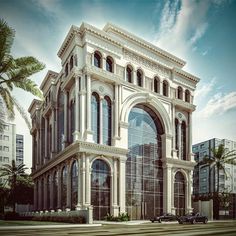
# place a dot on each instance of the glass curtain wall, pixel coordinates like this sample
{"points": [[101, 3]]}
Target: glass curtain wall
{"points": [[100, 189], [144, 174]]}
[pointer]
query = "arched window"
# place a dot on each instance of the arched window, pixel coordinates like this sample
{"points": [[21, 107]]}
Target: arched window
{"points": [[66, 69], [55, 190], [109, 64], [139, 78], [179, 194], [176, 134], [100, 189], [129, 71], [63, 187], [74, 185], [180, 93], [106, 127], [156, 86], [72, 120], [144, 172], [187, 95], [165, 88], [60, 120], [97, 60], [183, 141], [95, 113], [71, 62], [48, 191]]}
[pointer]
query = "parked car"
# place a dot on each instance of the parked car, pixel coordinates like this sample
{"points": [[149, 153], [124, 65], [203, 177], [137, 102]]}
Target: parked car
{"points": [[164, 217], [193, 218]]}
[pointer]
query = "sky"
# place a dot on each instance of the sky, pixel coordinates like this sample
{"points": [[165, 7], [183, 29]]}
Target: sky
{"points": [[201, 32]]}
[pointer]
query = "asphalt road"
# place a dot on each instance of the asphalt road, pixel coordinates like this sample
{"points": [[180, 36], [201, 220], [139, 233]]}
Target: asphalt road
{"points": [[211, 228]]}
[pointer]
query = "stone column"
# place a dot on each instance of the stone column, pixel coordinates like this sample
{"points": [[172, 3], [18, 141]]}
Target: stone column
{"points": [[189, 138], [53, 130], [89, 133], [100, 120], [116, 114], [166, 145], [79, 202], [122, 184], [175, 155], [65, 141], [115, 208], [161, 87], [68, 193], [82, 107], [189, 192], [40, 194], [76, 133], [167, 191], [104, 63], [46, 139], [35, 195], [59, 191], [87, 182], [179, 141], [134, 77], [83, 172], [51, 190]]}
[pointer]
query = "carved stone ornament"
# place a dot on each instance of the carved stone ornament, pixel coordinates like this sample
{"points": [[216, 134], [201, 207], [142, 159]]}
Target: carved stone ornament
{"points": [[152, 65]]}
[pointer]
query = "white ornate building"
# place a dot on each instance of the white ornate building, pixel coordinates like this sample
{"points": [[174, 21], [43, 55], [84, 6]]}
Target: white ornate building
{"points": [[114, 131]]}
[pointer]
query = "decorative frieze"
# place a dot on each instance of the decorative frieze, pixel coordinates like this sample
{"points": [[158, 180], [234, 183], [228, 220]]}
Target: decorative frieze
{"points": [[148, 63]]}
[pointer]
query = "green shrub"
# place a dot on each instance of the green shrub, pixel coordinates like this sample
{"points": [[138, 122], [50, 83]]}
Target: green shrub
{"points": [[65, 219], [120, 217]]}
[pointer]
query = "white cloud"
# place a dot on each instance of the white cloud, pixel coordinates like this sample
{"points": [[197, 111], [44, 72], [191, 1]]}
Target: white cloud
{"points": [[180, 29], [218, 105], [203, 90]]}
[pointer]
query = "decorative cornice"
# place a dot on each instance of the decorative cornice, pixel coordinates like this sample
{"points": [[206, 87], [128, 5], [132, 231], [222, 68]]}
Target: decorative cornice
{"points": [[80, 147], [189, 165], [186, 105], [50, 74], [110, 27], [186, 75], [153, 65]]}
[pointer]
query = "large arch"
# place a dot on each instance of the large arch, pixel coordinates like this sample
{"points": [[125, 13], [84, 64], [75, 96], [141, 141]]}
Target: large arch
{"points": [[144, 172], [150, 101]]}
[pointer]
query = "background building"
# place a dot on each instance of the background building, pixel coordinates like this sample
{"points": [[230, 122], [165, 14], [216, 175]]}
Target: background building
{"points": [[114, 133], [204, 180], [11, 146]]}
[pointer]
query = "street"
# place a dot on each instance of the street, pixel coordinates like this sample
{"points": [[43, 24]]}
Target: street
{"points": [[212, 228]]}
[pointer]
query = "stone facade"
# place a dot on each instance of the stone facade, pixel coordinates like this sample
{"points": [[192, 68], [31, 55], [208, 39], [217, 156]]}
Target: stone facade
{"points": [[114, 90]]}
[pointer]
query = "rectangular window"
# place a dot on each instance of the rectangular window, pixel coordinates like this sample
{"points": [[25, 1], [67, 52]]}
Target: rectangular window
{"points": [[202, 146], [6, 159], [0, 136], [6, 138], [0, 158], [6, 127], [6, 148]]}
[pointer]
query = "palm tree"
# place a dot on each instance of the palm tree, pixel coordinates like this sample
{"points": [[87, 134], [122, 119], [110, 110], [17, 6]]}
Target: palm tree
{"points": [[12, 172], [14, 73], [220, 156]]}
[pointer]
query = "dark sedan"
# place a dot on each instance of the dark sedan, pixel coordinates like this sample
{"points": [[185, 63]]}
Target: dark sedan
{"points": [[164, 217], [193, 218]]}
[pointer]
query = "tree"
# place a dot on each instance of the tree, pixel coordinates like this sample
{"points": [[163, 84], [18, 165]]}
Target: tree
{"points": [[14, 73], [12, 172], [220, 156]]}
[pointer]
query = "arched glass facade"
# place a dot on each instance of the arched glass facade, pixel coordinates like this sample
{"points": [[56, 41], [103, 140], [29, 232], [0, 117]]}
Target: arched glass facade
{"points": [[63, 187], [95, 117], [179, 193], [97, 60], [60, 121], [100, 189], [109, 64], [144, 174], [156, 85], [55, 190], [139, 78], [106, 126], [129, 74], [74, 185]]}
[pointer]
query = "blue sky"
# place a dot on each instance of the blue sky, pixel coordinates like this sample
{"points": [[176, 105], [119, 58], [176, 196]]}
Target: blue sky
{"points": [[201, 32]]}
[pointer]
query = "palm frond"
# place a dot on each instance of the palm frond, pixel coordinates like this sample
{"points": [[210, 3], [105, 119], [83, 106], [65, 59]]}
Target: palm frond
{"points": [[6, 39], [7, 100], [22, 112]]}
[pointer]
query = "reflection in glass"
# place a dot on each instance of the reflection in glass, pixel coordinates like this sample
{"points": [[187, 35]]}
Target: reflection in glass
{"points": [[109, 64], [95, 117], [179, 194], [100, 189], [144, 176], [74, 185], [106, 109], [63, 187], [129, 74], [97, 60], [55, 190]]}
